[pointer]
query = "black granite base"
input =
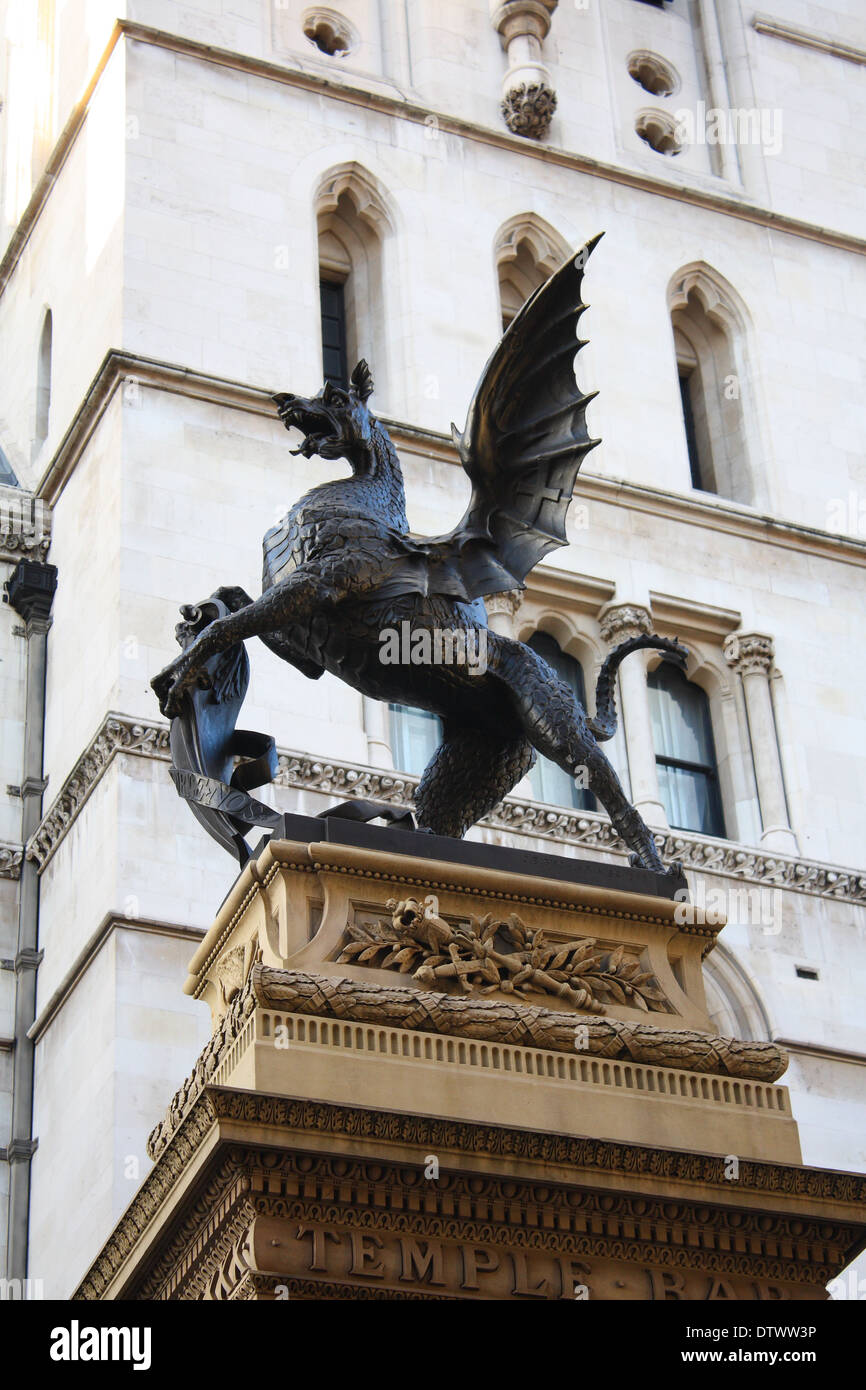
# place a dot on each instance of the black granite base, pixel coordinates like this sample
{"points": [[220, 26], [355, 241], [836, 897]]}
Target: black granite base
{"points": [[334, 829]]}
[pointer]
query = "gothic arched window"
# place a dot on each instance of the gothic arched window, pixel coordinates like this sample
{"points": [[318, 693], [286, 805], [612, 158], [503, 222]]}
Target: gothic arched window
{"points": [[528, 251], [352, 223], [685, 752], [548, 780], [709, 338]]}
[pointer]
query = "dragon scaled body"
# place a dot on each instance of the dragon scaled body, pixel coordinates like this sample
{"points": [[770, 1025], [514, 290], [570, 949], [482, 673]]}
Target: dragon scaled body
{"points": [[341, 568]]}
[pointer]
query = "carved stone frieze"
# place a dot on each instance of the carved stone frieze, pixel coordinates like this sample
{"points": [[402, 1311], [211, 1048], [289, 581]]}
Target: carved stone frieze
{"points": [[25, 525], [275, 1217], [584, 829], [117, 735], [488, 954], [11, 859]]}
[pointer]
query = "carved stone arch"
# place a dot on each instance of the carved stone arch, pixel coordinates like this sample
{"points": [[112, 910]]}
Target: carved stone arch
{"points": [[717, 295], [352, 180], [527, 251], [706, 667], [712, 330], [355, 220], [734, 1003]]}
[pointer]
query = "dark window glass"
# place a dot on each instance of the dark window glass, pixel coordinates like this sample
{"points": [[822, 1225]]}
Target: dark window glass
{"points": [[333, 303], [691, 436], [685, 752], [549, 782]]}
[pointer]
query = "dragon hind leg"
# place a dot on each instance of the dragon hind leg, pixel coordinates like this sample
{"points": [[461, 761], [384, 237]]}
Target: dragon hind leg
{"points": [[556, 725], [470, 772]]}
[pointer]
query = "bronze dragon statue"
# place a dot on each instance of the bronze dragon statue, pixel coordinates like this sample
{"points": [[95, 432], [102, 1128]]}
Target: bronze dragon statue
{"points": [[341, 569]]}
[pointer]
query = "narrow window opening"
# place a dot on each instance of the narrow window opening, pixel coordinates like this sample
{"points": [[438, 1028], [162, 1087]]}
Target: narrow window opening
{"points": [[332, 297], [43, 383], [691, 434]]}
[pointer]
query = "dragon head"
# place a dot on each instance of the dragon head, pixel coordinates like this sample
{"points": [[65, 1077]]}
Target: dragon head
{"points": [[335, 423]]}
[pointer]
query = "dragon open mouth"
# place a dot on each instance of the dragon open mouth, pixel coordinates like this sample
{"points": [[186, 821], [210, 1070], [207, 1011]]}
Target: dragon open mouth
{"points": [[316, 424]]}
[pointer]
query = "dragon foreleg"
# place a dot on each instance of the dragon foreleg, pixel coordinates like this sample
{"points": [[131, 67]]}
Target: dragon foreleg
{"points": [[294, 601]]}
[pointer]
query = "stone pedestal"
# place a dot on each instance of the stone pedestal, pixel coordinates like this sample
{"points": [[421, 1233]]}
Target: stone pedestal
{"points": [[444, 1070]]}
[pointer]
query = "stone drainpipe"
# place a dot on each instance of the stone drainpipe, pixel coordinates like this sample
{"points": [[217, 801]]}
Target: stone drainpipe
{"points": [[30, 591]]}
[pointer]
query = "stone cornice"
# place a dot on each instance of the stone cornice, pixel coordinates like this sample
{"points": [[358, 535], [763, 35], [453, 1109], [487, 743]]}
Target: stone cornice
{"points": [[717, 514], [111, 922], [807, 38], [11, 859], [420, 114], [650, 1175], [585, 829], [368, 97]]}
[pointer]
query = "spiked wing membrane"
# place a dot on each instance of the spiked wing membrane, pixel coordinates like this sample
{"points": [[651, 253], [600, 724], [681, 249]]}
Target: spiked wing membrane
{"points": [[522, 447]]}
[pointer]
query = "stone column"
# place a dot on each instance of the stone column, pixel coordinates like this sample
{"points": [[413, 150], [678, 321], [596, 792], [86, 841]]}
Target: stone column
{"points": [[751, 654], [502, 611], [528, 98], [619, 622], [378, 736]]}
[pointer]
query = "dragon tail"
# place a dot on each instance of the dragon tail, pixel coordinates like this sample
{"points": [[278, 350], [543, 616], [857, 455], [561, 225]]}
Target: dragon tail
{"points": [[603, 724]]}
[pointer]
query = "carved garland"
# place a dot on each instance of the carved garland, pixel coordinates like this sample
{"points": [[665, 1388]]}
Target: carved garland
{"points": [[486, 1020], [488, 954], [299, 771]]}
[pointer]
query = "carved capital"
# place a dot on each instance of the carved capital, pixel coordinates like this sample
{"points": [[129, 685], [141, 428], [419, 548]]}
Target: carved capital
{"points": [[624, 620], [527, 109], [506, 603], [749, 653]]}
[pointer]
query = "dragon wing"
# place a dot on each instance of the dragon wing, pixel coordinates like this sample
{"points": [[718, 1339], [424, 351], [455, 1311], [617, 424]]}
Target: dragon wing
{"points": [[522, 447]]}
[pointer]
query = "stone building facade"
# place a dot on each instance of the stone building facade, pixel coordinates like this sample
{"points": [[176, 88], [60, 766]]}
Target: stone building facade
{"points": [[178, 183]]}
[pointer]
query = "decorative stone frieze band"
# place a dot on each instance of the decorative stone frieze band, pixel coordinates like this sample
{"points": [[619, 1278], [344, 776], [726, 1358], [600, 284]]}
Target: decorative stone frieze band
{"points": [[25, 525], [815, 1249], [120, 734], [11, 859]]}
